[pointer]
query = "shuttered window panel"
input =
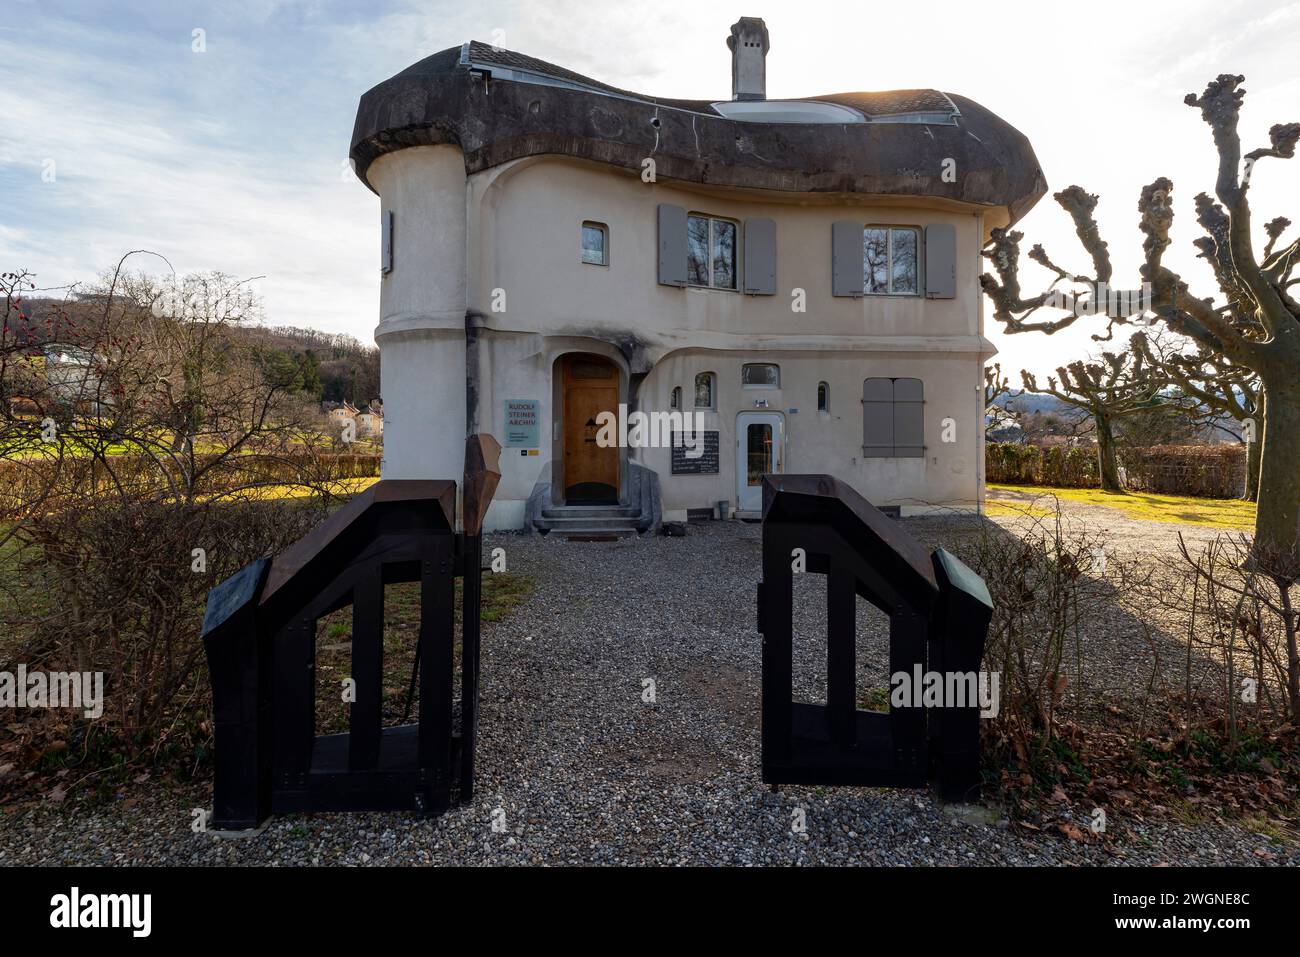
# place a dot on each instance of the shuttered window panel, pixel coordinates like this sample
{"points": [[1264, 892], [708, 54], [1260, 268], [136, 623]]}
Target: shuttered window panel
{"points": [[878, 418], [846, 259], [893, 418], [386, 242], [672, 245], [940, 261], [909, 418], [760, 257]]}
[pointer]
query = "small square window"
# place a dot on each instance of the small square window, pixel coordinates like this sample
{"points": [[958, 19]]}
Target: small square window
{"points": [[595, 244]]}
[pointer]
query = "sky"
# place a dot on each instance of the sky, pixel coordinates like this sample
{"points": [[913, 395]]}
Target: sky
{"points": [[118, 133]]}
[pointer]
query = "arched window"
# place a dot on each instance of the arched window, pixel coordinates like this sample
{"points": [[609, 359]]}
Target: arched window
{"points": [[675, 398], [823, 397], [704, 397]]}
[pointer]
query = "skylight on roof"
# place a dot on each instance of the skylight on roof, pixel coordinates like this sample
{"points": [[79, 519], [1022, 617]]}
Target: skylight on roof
{"points": [[787, 111]]}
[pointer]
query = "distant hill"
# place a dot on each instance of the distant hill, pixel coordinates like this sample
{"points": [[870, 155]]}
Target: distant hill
{"points": [[1033, 402], [348, 368]]}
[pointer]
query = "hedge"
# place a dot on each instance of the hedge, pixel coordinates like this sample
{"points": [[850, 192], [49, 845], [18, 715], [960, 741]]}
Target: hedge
{"points": [[1011, 463], [23, 480], [1211, 471]]}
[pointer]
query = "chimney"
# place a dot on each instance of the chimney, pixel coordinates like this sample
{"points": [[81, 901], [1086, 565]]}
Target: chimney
{"points": [[748, 44]]}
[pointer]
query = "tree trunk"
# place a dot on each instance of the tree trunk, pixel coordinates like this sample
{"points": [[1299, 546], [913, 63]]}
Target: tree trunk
{"points": [[1292, 650], [1254, 450], [1107, 459], [1277, 515], [1253, 456]]}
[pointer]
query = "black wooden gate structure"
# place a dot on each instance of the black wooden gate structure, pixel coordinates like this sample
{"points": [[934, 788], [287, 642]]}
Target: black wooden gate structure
{"points": [[939, 612], [260, 636]]}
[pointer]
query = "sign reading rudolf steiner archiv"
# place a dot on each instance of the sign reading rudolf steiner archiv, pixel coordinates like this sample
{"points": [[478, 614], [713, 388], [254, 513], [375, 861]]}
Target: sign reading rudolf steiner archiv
{"points": [[522, 418]]}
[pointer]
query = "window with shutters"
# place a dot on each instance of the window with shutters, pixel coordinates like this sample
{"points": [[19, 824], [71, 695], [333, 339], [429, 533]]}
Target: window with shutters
{"points": [[710, 252], [595, 244], [760, 375], [704, 383], [893, 418], [889, 260]]}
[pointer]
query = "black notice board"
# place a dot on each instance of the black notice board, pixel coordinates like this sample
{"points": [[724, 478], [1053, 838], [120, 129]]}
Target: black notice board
{"points": [[706, 464]]}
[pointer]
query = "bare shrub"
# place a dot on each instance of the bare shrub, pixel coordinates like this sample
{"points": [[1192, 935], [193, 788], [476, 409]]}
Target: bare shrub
{"points": [[1048, 581], [120, 587], [148, 450], [1244, 612]]}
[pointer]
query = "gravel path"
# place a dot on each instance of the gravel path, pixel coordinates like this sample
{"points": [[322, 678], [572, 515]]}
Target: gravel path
{"points": [[585, 771]]}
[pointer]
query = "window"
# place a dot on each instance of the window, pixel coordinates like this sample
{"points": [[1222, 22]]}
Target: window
{"points": [[889, 260], [595, 244], [675, 398], [590, 369], [710, 252], [823, 397], [760, 375], [704, 390], [893, 418]]}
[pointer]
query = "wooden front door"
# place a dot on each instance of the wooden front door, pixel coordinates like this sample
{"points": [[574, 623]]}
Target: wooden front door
{"points": [[590, 387]]}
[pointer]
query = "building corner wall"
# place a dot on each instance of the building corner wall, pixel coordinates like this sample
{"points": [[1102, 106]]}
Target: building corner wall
{"points": [[422, 305]]}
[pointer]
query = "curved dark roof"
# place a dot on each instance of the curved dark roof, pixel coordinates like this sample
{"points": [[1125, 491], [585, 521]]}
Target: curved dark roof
{"points": [[530, 107]]}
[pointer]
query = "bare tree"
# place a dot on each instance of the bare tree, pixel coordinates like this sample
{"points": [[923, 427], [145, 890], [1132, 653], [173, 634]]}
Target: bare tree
{"points": [[145, 452], [996, 385], [1108, 388], [1256, 326]]}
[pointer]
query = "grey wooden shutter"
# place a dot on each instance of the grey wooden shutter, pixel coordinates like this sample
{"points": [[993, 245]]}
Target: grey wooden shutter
{"points": [[672, 245], [760, 257], [909, 418], [846, 259], [878, 418], [940, 261], [386, 241]]}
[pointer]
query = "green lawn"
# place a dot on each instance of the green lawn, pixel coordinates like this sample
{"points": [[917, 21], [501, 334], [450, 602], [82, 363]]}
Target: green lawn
{"points": [[1229, 514]]}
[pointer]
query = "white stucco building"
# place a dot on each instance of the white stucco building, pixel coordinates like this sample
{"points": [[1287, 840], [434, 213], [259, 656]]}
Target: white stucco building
{"points": [[805, 273]]}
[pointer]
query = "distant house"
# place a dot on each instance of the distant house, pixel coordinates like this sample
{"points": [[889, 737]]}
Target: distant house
{"points": [[1001, 427], [53, 335], [339, 413], [70, 371], [369, 424]]}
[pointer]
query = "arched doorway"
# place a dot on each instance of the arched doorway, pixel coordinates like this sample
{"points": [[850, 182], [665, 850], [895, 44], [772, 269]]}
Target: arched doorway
{"points": [[590, 387]]}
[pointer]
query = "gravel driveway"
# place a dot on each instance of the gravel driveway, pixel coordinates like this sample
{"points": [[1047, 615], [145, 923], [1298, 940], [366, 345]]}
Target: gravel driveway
{"points": [[585, 771]]}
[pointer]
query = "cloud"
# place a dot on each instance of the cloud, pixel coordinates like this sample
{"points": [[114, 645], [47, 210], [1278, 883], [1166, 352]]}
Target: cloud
{"points": [[232, 159]]}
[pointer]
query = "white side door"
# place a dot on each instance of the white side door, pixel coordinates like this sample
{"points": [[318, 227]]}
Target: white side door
{"points": [[760, 449]]}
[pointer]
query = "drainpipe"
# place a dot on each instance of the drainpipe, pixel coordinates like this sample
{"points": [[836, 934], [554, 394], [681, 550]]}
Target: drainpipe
{"points": [[473, 322]]}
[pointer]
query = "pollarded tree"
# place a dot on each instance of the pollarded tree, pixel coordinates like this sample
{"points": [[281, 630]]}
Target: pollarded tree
{"points": [[996, 385], [1255, 325], [1108, 388]]}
